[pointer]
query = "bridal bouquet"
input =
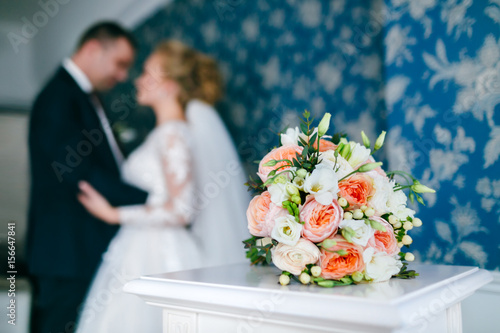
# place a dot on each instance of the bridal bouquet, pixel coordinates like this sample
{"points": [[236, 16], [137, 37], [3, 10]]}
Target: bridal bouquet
{"points": [[326, 212]]}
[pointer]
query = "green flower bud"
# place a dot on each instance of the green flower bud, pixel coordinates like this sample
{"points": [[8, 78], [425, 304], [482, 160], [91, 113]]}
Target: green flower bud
{"points": [[341, 252], [348, 233], [377, 225], [380, 141], [302, 173], [366, 141], [292, 190], [369, 166], [419, 188], [328, 243], [324, 124], [345, 151], [296, 199], [271, 163]]}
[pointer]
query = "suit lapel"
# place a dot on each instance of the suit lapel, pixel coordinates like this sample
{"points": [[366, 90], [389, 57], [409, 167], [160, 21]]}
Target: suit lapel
{"points": [[91, 122]]}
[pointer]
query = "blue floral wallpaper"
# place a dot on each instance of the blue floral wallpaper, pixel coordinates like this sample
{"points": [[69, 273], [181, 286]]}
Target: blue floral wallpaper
{"points": [[442, 73], [426, 71]]}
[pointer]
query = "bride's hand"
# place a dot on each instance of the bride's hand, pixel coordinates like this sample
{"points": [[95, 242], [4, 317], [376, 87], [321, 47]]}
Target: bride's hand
{"points": [[96, 204]]}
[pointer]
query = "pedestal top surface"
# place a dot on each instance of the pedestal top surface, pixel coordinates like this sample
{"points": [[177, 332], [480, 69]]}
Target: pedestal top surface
{"points": [[243, 276], [239, 289]]}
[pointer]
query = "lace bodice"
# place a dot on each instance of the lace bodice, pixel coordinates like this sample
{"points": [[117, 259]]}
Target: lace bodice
{"points": [[163, 167]]}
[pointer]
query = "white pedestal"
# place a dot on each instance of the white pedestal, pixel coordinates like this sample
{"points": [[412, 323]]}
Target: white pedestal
{"points": [[241, 298]]}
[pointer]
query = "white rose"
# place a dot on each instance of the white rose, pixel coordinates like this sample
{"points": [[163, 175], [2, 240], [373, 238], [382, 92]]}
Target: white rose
{"points": [[383, 190], [323, 184], [286, 230], [290, 137], [294, 259], [397, 205], [278, 193], [404, 212], [342, 167], [359, 154], [360, 232], [380, 266]]}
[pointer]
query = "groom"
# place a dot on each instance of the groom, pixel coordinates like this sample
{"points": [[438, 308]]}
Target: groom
{"points": [[70, 140]]}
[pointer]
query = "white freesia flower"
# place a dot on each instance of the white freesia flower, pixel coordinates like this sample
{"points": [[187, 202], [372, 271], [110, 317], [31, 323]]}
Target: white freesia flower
{"points": [[299, 183], [380, 266], [278, 193], [342, 167], [290, 137], [294, 259], [359, 154], [323, 184], [360, 232], [286, 230]]}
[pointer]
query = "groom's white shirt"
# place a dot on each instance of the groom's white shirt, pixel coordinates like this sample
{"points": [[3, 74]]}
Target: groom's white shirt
{"points": [[84, 83]]}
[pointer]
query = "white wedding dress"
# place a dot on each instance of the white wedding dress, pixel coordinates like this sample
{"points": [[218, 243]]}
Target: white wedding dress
{"points": [[193, 176]]}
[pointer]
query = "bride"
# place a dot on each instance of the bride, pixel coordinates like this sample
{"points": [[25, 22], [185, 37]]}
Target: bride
{"points": [[195, 212]]}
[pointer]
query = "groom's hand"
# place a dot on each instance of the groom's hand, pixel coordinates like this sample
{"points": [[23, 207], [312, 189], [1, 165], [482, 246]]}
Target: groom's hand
{"points": [[96, 204]]}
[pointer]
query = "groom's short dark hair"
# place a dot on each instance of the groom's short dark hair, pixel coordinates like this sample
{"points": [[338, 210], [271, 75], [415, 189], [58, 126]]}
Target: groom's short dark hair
{"points": [[104, 31]]}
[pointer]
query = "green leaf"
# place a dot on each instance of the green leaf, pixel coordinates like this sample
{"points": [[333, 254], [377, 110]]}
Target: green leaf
{"points": [[268, 257], [313, 137], [303, 128]]}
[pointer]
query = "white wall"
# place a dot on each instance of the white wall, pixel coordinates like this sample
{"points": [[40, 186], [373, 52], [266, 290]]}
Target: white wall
{"points": [[55, 27], [14, 178], [481, 311]]}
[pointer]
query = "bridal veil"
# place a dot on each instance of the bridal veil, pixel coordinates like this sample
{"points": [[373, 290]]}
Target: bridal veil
{"points": [[221, 197]]}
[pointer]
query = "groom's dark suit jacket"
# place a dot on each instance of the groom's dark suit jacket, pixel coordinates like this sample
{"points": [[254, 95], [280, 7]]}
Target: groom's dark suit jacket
{"points": [[67, 144]]}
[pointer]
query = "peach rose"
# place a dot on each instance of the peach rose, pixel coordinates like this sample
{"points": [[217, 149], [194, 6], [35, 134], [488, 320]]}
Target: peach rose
{"points": [[285, 152], [356, 189], [334, 266], [261, 214], [320, 221], [384, 241], [325, 145]]}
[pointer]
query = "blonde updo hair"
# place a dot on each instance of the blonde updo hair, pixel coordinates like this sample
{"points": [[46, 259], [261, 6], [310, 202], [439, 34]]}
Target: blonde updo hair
{"points": [[197, 74]]}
